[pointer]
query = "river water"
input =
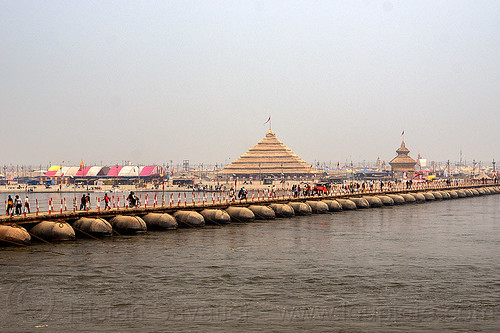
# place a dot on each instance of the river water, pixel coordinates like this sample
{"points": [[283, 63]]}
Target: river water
{"points": [[420, 268]]}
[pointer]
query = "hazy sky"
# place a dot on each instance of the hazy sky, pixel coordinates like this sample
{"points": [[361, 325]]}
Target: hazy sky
{"points": [[154, 81]]}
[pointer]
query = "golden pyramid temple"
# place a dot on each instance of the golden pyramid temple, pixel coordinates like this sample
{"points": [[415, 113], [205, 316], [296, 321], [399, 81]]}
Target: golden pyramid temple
{"points": [[269, 157]]}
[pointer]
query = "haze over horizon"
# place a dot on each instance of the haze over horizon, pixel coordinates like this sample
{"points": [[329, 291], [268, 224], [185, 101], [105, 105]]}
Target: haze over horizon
{"points": [[151, 82]]}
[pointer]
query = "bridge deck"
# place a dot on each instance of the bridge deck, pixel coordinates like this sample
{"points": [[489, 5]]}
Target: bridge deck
{"points": [[72, 215]]}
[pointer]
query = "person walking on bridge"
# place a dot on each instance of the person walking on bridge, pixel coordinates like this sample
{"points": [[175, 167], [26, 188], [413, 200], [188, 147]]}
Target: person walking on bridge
{"points": [[10, 206], [242, 194], [83, 202], [27, 205], [106, 202], [132, 199], [18, 204]]}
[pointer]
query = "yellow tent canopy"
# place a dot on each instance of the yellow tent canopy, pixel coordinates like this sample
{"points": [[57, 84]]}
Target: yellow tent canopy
{"points": [[55, 168]]}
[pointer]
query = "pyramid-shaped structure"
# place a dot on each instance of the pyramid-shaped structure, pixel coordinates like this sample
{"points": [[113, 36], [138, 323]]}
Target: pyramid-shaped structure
{"points": [[268, 157]]}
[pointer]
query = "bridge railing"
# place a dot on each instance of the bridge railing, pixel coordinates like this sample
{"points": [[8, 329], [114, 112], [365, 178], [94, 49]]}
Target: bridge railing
{"points": [[196, 199]]}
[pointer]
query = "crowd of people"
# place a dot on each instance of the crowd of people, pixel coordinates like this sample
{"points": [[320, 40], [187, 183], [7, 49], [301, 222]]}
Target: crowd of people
{"points": [[85, 202], [15, 206], [132, 199]]}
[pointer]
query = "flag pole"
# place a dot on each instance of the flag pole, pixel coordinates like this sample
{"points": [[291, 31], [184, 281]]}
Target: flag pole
{"points": [[268, 121]]}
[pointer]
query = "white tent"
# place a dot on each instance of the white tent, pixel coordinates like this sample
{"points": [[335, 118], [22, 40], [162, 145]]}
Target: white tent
{"points": [[70, 171], [62, 172], [129, 171], [93, 171]]}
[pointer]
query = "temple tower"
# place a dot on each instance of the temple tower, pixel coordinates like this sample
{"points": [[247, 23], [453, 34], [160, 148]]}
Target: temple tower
{"points": [[403, 163]]}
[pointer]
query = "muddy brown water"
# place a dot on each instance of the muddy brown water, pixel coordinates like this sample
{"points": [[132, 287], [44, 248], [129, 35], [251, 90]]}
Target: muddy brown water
{"points": [[420, 268]]}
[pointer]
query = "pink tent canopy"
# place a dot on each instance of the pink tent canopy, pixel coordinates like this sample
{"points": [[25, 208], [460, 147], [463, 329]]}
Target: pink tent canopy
{"points": [[150, 170], [114, 170], [51, 173], [83, 172]]}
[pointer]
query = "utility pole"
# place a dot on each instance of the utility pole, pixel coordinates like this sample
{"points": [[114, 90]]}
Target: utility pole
{"points": [[352, 173], [138, 179], [282, 173], [260, 175]]}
